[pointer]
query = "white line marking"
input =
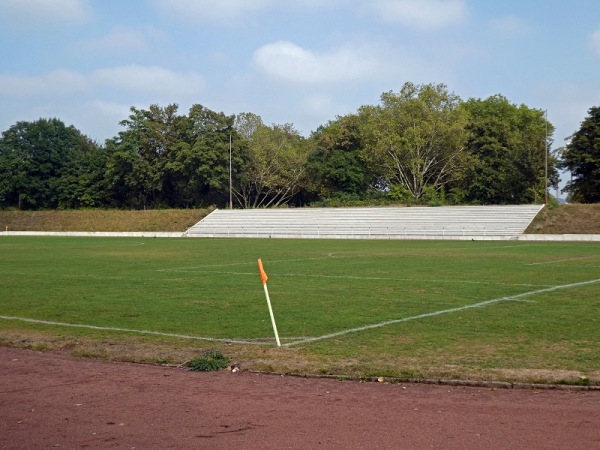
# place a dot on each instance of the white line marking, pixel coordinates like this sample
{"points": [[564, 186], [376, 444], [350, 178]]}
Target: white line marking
{"points": [[561, 260], [312, 339], [438, 313], [128, 330]]}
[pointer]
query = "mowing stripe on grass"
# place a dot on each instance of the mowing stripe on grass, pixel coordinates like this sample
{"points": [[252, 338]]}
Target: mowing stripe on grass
{"points": [[332, 255], [128, 330], [438, 313], [353, 277], [253, 263], [561, 260], [345, 277]]}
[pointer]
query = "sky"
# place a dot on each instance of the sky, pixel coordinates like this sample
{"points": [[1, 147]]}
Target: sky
{"points": [[303, 62]]}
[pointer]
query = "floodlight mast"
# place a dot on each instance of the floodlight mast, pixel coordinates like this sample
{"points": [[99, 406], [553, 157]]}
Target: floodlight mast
{"points": [[546, 162], [230, 184]]}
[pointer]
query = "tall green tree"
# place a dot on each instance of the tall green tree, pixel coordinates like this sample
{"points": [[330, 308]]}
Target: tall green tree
{"points": [[210, 135], [415, 138], [138, 170], [582, 158], [335, 165], [82, 181], [246, 124], [38, 162], [507, 147], [163, 158], [274, 167]]}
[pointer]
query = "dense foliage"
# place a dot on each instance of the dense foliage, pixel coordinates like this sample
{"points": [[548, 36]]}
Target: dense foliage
{"points": [[421, 145], [507, 151], [46, 165], [582, 158]]}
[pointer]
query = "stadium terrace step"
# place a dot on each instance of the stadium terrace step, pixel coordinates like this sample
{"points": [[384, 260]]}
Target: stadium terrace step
{"points": [[450, 222]]}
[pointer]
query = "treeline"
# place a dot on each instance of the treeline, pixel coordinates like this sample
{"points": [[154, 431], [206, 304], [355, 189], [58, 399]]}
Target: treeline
{"points": [[421, 145]]}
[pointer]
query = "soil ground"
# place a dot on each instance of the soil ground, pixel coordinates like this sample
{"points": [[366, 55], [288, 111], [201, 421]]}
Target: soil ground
{"points": [[50, 400]]}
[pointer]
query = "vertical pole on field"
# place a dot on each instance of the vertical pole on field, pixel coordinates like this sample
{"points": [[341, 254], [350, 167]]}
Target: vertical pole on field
{"points": [[546, 162], [546, 153], [230, 183], [264, 278]]}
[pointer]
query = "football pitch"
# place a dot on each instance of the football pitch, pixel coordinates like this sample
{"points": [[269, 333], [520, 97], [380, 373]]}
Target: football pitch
{"points": [[498, 310]]}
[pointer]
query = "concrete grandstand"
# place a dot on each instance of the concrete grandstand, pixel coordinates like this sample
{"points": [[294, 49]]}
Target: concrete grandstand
{"points": [[450, 222]]}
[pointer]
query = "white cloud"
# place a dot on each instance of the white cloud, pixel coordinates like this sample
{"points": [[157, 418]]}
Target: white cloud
{"points": [[426, 14], [94, 102], [148, 80], [510, 26], [226, 11], [55, 82], [222, 11], [595, 43], [121, 39], [105, 108], [43, 12], [289, 62]]}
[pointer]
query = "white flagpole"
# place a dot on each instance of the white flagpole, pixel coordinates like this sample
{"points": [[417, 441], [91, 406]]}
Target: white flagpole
{"points": [[272, 316], [264, 278]]}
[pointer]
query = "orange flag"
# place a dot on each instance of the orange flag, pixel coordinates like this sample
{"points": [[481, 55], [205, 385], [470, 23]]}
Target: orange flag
{"points": [[263, 274]]}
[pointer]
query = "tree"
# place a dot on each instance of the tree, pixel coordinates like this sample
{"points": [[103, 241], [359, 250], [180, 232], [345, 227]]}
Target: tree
{"points": [[82, 181], [335, 164], [506, 147], [274, 167], [415, 138], [139, 154], [246, 124], [37, 159], [582, 158], [166, 159], [208, 158]]}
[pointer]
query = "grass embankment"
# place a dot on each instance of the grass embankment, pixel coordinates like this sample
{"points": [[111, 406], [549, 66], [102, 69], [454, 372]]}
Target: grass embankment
{"points": [[567, 219], [102, 220], [563, 219]]}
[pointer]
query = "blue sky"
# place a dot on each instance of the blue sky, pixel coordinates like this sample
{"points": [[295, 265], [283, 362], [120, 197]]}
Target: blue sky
{"points": [[302, 62]]}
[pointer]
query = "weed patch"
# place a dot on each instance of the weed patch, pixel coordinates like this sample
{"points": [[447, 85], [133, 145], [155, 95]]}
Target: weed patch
{"points": [[210, 360]]}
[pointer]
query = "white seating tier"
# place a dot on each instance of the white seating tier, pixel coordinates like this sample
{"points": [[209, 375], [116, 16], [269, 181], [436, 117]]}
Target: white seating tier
{"points": [[450, 222]]}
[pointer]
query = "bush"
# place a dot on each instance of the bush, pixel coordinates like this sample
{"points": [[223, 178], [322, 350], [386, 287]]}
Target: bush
{"points": [[208, 361]]}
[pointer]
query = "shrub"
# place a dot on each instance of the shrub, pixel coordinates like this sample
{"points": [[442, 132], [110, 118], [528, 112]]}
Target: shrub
{"points": [[208, 361]]}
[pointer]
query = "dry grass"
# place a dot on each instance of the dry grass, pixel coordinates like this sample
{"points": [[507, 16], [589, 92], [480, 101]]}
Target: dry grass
{"points": [[280, 360], [152, 351], [567, 219], [102, 220]]}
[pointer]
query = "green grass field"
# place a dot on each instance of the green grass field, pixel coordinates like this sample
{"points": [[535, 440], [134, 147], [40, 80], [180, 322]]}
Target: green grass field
{"points": [[493, 310]]}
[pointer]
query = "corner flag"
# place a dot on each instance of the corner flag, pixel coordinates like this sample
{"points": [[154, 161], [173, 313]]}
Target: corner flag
{"points": [[264, 278], [261, 271]]}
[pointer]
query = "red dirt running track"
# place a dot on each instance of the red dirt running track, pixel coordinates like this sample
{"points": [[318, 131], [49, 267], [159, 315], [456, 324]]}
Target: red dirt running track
{"points": [[49, 400]]}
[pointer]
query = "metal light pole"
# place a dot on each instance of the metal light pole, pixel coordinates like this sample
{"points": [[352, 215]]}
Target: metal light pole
{"points": [[546, 162], [230, 184]]}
